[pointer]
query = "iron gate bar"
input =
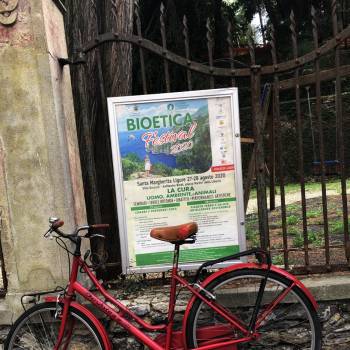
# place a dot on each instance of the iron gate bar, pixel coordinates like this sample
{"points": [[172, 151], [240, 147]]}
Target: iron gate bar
{"points": [[210, 45], [187, 51], [232, 54], [272, 158], [251, 167], [339, 116], [256, 73], [308, 79], [142, 60], [277, 117], [164, 48], [258, 128], [320, 134], [220, 72], [249, 179], [300, 139]]}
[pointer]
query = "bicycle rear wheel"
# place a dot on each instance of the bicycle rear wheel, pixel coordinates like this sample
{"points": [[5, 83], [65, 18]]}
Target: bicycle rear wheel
{"points": [[38, 328], [293, 324]]}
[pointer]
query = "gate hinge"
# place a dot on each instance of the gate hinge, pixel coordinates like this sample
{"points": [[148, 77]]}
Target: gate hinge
{"points": [[78, 58]]}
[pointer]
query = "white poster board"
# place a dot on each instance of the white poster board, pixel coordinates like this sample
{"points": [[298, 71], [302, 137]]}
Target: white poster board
{"points": [[177, 158]]}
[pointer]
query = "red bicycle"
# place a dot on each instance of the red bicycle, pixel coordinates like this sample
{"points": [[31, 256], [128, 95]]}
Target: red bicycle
{"points": [[243, 306]]}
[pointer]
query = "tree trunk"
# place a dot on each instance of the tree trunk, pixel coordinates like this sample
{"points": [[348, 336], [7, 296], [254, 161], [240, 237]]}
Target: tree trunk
{"points": [[108, 72]]}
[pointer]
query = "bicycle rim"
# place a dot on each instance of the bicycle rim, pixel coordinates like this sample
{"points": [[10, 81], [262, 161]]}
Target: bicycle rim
{"points": [[292, 325], [38, 329]]}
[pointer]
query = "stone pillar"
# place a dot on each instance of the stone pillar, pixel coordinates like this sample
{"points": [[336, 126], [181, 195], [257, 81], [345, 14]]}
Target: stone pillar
{"points": [[40, 173]]}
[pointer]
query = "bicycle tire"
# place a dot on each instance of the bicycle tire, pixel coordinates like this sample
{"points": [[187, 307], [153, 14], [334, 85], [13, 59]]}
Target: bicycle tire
{"points": [[37, 328], [300, 327]]}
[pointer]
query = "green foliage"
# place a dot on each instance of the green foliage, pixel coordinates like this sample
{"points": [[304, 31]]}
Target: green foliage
{"points": [[315, 239], [254, 241], [294, 207], [311, 214], [336, 227], [252, 234], [179, 172], [199, 157], [161, 169], [293, 231], [298, 241], [293, 220], [278, 259], [131, 164]]}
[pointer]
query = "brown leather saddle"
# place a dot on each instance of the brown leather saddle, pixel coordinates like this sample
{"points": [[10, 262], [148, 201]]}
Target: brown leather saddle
{"points": [[175, 234]]}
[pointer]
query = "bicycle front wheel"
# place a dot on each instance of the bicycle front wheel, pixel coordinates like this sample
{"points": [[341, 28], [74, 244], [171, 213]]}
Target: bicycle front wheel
{"points": [[37, 329], [292, 324]]}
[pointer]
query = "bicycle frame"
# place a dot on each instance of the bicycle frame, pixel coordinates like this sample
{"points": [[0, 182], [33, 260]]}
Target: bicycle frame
{"points": [[167, 340]]}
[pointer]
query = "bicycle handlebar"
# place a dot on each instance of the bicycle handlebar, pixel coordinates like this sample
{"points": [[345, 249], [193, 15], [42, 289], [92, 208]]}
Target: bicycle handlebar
{"points": [[56, 223]]}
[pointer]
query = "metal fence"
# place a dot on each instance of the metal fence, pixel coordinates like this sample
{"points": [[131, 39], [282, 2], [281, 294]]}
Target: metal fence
{"points": [[265, 83]]}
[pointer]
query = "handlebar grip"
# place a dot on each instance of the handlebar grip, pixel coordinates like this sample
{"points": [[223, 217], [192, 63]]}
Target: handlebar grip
{"points": [[57, 224], [99, 226]]}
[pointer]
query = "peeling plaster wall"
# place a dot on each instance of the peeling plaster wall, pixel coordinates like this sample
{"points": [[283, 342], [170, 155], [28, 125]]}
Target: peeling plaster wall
{"points": [[40, 172]]}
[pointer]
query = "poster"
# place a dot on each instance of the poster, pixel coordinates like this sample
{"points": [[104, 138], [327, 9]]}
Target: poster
{"points": [[177, 159]]}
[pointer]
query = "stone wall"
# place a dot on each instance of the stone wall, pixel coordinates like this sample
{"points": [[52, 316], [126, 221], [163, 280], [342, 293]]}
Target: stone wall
{"points": [[152, 307], [40, 172]]}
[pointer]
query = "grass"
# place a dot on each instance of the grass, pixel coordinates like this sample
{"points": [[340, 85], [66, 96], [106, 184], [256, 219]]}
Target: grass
{"points": [[293, 220], [336, 227], [252, 232], [293, 231], [311, 214], [298, 240], [293, 207], [278, 259], [315, 239]]}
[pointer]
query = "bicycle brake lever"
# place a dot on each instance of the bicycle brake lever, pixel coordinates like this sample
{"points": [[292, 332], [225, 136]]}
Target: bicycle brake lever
{"points": [[48, 234]]}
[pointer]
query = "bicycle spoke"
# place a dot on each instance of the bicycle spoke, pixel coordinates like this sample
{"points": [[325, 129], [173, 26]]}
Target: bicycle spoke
{"points": [[44, 328], [34, 337], [19, 346], [38, 330]]}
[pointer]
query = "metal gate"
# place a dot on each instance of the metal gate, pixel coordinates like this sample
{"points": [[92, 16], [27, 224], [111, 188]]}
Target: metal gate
{"points": [[266, 167]]}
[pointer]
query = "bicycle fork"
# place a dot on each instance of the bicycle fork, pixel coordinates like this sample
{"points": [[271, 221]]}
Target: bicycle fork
{"points": [[66, 327]]}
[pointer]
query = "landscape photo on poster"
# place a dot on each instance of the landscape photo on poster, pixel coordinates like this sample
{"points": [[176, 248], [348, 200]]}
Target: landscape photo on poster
{"points": [[162, 139]]}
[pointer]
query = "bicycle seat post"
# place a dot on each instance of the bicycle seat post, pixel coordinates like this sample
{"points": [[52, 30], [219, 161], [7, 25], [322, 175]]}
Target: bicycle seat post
{"points": [[172, 299]]}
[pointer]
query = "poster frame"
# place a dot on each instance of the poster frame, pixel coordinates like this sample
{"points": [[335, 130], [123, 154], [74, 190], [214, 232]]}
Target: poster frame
{"points": [[118, 172]]}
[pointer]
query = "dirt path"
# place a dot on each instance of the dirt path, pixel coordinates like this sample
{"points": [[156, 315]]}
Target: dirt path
{"points": [[290, 198]]}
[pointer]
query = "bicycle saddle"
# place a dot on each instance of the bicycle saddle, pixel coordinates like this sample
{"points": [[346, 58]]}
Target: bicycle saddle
{"points": [[174, 234]]}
